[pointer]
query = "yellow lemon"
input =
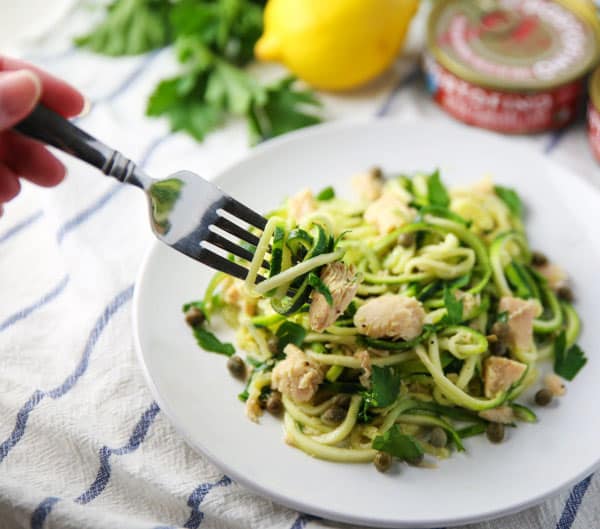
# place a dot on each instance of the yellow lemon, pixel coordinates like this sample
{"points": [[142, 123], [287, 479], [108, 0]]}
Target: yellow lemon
{"points": [[335, 44]]}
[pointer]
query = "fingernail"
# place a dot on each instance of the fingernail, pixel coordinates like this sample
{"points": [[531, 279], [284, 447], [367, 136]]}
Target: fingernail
{"points": [[87, 106], [19, 92]]}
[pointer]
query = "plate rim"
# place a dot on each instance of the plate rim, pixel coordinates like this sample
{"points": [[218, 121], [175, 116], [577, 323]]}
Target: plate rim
{"points": [[272, 494]]}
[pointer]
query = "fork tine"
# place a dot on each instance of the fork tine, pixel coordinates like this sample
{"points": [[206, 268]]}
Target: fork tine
{"points": [[228, 246], [237, 231], [244, 212]]}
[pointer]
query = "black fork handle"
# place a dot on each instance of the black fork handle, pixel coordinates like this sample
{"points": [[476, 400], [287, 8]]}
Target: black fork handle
{"points": [[47, 126]]}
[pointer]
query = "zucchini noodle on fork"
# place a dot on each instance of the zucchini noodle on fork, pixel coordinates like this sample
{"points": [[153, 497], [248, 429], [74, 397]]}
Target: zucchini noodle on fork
{"points": [[396, 324]]}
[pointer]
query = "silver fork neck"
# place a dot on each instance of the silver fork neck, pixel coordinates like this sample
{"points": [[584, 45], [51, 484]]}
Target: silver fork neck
{"points": [[124, 170]]}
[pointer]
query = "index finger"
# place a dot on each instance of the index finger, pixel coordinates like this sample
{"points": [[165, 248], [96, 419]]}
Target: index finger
{"points": [[56, 94]]}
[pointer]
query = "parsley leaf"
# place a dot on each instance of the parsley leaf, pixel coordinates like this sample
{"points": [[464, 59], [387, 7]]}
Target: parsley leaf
{"points": [[454, 308], [130, 27], [436, 191], [229, 28], [326, 194], [315, 281], [285, 109], [180, 100], [209, 342], [385, 386], [567, 362], [214, 40], [395, 443], [511, 199], [289, 332], [196, 304]]}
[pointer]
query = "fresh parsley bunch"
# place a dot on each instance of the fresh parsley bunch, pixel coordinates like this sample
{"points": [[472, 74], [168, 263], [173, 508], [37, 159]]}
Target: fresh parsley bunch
{"points": [[214, 40]]}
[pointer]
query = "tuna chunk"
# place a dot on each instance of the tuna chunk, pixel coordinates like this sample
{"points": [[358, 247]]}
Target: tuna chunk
{"points": [[365, 362], [301, 205], [389, 212], [296, 376], [500, 373], [368, 185], [342, 282], [390, 316], [521, 313], [554, 274]]}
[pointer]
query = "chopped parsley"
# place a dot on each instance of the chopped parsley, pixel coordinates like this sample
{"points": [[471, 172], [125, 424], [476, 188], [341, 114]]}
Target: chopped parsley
{"points": [[567, 361], [399, 445], [436, 191], [315, 281], [511, 199]]}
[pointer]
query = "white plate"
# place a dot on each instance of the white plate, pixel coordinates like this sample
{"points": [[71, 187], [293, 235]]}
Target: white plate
{"points": [[196, 392]]}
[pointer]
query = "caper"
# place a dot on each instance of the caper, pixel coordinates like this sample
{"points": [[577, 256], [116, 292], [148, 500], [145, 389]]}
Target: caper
{"points": [[498, 348], [543, 397], [274, 404], [565, 293], [495, 432], [438, 437], [382, 461], [236, 367], [194, 317], [414, 460], [475, 387], [342, 400], [376, 172], [406, 239], [333, 415], [501, 330], [273, 345], [538, 259]]}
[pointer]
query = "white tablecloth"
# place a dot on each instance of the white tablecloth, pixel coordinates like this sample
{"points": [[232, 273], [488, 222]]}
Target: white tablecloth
{"points": [[82, 442]]}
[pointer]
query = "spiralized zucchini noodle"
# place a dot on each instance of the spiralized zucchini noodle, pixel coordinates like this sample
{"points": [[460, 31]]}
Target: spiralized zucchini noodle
{"points": [[398, 323]]}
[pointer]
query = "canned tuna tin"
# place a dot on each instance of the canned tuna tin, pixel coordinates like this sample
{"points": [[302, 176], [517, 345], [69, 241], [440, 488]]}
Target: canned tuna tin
{"points": [[514, 66], [594, 114]]}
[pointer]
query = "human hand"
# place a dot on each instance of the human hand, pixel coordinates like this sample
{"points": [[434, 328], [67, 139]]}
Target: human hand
{"points": [[22, 86]]}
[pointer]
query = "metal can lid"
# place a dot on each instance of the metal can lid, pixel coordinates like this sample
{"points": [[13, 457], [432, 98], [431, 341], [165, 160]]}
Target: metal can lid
{"points": [[594, 88], [515, 45]]}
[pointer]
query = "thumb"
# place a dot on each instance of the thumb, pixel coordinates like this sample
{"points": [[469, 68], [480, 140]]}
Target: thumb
{"points": [[19, 92]]}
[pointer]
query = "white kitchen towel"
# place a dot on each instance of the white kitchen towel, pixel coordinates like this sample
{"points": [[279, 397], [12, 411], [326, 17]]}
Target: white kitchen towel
{"points": [[82, 442]]}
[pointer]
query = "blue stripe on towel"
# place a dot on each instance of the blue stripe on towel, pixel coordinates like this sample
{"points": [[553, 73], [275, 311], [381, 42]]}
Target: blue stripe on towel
{"points": [[46, 298], [554, 139], [131, 78], [39, 515], [20, 423], [137, 437], [104, 472], [573, 503], [106, 197], [86, 213], [71, 380], [411, 76], [197, 497], [302, 520], [20, 226]]}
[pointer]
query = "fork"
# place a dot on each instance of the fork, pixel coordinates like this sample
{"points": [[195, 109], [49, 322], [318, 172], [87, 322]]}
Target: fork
{"points": [[187, 212]]}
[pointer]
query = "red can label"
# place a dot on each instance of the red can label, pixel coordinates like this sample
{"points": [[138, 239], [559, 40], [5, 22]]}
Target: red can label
{"points": [[506, 112], [594, 129]]}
